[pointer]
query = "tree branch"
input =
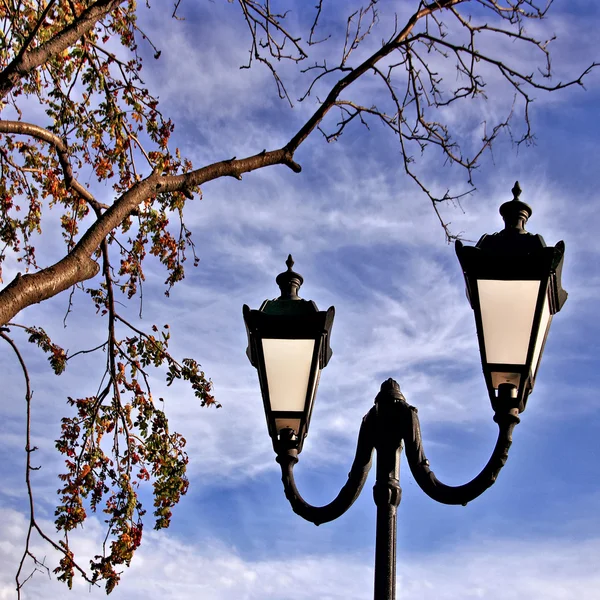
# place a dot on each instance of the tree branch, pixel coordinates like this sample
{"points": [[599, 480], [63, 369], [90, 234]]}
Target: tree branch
{"points": [[23, 64], [29, 449], [22, 128], [78, 265], [363, 68]]}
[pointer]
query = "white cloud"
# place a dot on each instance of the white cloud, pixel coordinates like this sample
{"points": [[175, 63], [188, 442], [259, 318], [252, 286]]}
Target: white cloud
{"points": [[494, 569]]}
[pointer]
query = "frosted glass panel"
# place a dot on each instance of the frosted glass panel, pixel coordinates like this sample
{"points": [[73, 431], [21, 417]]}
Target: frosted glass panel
{"points": [[544, 324], [507, 309], [288, 370]]}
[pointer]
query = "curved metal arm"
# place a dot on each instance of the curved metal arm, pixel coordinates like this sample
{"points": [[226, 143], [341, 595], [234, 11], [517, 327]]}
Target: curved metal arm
{"points": [[287, 457], [462, 494]]}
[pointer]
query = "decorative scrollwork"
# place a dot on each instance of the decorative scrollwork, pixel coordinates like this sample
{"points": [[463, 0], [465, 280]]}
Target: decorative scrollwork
{"points": [[462, 494], [287, 457], [391, 421]]}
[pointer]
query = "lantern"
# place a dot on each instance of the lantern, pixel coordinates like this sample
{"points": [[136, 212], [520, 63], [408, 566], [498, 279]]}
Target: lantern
{"points": [[513, 285], [288, 343]]}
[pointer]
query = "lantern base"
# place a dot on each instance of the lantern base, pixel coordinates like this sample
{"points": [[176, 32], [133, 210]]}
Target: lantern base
{"points": [[507, 402]]}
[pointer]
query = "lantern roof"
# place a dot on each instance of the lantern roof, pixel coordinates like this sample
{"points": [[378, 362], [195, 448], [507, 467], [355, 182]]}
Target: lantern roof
{"points": [[514, 239], [289, 303]]}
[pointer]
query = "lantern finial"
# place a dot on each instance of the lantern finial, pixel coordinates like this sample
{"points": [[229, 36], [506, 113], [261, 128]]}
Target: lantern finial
{"points": [[516, 191], [289, 281], [515, 212]]}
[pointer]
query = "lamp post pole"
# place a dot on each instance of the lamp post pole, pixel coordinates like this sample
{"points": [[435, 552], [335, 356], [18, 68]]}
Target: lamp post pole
{"points": [[386, 492], [513, 285]]}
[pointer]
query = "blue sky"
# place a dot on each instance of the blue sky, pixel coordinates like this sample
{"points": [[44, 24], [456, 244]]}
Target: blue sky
{"points": [[367, 241]]}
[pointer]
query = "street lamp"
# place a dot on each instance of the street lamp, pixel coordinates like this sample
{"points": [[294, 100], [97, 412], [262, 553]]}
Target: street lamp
{"points": [[288, 343], [513, 285]]}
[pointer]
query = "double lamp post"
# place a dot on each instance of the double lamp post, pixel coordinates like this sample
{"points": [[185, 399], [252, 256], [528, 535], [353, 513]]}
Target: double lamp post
{"points": [[513, 285]]}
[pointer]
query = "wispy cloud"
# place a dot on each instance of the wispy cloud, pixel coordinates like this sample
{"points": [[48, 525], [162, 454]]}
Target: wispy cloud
{"points": [[494, 569]]}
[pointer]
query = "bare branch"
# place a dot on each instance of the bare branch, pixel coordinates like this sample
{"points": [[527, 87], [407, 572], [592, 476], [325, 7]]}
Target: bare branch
{"points": [[29, 450], [363, 68], [315, 24]]}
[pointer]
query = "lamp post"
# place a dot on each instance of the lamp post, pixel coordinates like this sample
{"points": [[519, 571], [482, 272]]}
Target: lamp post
{"points": [[513, 285]]}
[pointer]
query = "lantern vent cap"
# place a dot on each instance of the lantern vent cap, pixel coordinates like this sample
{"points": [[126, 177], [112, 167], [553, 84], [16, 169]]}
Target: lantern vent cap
{"points": [[289, 281], [515, 212]]}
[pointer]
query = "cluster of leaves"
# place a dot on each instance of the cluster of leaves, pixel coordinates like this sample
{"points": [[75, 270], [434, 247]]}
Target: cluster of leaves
{"points": [[58, 357], [94, 98], [148, 451], [103, 125], [116, 441], [20, 204], [155, 236]]}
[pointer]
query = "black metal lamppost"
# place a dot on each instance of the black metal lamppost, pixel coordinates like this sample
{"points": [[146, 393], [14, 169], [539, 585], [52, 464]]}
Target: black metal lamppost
{"points": [[513, 285]]}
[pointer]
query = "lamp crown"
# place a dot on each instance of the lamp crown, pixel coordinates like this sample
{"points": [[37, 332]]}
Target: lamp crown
{"points": [[515, 212], [289, 281]]}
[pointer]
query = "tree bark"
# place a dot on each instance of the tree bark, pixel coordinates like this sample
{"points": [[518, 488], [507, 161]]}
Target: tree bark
{"points": [[79, 266]]}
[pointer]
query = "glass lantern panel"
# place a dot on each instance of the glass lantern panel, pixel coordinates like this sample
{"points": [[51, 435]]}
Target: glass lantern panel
{"points": [[544, 325], [288, 364], [507, 311]]}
